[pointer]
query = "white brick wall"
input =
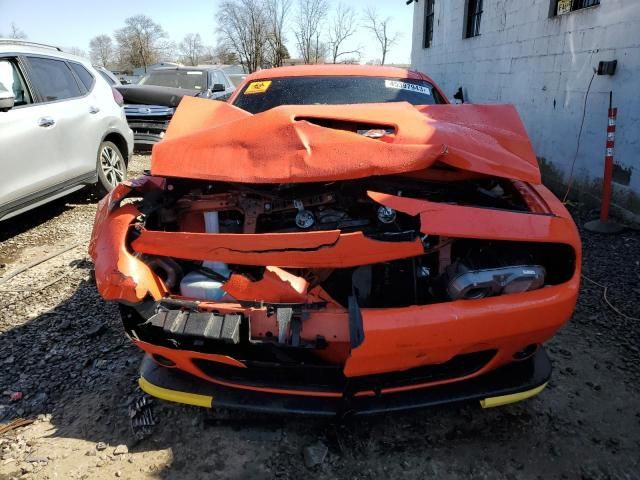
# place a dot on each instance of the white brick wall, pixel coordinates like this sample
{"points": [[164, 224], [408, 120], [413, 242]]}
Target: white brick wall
{"points": [[543, 65]]}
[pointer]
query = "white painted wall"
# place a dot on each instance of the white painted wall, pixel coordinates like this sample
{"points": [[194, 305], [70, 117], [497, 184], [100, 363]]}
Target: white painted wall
{"points": [[543, 65]]}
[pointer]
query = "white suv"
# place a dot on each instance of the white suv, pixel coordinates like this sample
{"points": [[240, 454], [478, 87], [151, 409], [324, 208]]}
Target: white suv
{"points": [[61, 127]]}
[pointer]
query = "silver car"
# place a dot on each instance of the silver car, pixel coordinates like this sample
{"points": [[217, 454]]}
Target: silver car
{"points": [[62, 127]]}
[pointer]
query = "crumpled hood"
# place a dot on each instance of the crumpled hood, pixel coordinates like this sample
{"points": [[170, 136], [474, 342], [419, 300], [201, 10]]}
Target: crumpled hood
{"points": [[212, 140]]}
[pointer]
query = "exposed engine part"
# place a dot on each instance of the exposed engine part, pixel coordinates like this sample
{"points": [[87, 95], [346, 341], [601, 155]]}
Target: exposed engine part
{"points": [[361, 281], [386, 214], [283, 316], [227, 208], [183, 326], [207, 281], [465, 284], [376, 132], [171, 269], [423, 272], [305, 219]]}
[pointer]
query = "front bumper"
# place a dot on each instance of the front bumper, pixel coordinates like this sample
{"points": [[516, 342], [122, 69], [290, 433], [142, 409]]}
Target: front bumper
{"points": [[508, 384]]}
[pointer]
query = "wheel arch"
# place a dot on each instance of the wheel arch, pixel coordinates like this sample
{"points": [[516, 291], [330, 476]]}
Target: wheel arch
{"points": [[118, 139]]}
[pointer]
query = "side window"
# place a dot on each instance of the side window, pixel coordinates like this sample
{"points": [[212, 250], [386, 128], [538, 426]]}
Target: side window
{"points": [[13, 80], [107, 78], [219, 78], [560, 7], [473, 16], [83, 74], [428, 24], [53, 79]]}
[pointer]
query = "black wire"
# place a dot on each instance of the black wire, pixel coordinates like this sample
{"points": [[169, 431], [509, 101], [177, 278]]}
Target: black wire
{"points": [[575, 156]]}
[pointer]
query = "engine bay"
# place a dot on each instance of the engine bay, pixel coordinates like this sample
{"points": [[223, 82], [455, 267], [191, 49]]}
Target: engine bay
{"points": [[446, 269]]}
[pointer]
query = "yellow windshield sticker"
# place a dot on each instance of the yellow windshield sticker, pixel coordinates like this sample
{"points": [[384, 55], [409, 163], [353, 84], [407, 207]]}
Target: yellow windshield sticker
{"points": [[258, 87]]}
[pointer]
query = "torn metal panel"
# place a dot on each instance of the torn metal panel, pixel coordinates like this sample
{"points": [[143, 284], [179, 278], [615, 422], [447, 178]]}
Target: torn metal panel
{"points": [[120, 275], [309, 249], [471, 222]]}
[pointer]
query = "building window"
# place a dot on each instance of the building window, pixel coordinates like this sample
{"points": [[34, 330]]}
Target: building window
{"points": [[560, 7], [474, 14], [428, 23]]}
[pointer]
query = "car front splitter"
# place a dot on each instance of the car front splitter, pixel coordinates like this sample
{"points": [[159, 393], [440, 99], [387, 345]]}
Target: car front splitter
{"points": [[511, 383]]}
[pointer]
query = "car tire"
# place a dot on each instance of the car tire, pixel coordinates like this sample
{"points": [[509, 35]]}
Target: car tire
{"points": [[112, 167]]}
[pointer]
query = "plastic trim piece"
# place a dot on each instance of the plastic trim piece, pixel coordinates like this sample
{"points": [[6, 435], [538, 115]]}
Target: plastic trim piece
{"points": [[175, 395], [491, 402], [513, 381]]}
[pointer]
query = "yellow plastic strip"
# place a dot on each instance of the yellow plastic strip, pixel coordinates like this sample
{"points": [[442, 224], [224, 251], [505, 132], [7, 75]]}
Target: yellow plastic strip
{"points": [[175, 395], [512, 398]]}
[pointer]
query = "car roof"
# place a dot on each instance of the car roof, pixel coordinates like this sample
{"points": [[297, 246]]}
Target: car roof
{"points": [[26, 45], [10, 45], [203, 68], [338, 70]]}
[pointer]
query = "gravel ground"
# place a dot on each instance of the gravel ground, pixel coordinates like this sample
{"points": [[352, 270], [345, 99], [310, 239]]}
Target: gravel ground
{"points": [[63, 349]]}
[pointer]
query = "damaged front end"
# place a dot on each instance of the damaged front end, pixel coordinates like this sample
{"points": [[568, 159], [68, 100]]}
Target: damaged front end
{"points": [[356, 293]]}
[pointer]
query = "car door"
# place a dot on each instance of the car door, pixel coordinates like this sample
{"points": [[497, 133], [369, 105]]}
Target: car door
{"points": [[218, 77], [29, 165], [95, 123], [72, 108]]}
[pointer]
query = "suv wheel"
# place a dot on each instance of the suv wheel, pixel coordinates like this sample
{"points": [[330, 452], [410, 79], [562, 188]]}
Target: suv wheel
{"points": [[112, 169]]}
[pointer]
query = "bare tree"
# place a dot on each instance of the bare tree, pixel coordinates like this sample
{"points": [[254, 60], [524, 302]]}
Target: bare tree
{"points": [[77, 51], [244, 29], [277, 12], [101, 50], [191, 48], [343, 26], [224, 55], [16, 32], [141, 42], [381, 30], [311, 15]]}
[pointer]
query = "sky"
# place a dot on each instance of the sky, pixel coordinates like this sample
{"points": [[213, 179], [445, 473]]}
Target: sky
{"points": [[72, 23]]}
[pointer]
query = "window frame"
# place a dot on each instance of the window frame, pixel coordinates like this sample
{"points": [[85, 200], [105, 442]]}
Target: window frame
{"points": [[222, 76], [22, 70], [472, 20], [110, 81], [429, 17], [34, 87], [78, 79], [576, 5]]}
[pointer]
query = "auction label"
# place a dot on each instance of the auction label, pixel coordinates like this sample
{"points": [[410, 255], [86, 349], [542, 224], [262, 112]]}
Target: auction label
{"points": [[412, 87], [258, 87]]}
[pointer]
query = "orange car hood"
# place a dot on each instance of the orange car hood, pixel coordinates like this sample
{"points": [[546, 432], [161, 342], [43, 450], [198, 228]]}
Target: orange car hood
{"points": [[212, 140]]}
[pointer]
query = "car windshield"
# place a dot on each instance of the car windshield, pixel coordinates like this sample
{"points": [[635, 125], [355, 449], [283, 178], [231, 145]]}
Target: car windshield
{"points": [[260, 95], [189, 79]]}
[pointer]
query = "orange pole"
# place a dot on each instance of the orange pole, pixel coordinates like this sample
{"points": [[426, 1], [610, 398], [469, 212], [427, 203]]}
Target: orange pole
{"points": [[608, 163]]}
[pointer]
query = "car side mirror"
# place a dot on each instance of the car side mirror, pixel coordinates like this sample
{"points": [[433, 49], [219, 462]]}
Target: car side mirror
{"points": [[218, 87], [7, 99]]}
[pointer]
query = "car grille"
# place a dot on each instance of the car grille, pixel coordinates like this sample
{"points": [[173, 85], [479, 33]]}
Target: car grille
{"points": [[145, 111], [330, 378]]}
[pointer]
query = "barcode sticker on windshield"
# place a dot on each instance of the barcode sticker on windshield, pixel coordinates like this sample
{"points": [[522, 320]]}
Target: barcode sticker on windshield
{"points": [[258, 87], [412, 87]]}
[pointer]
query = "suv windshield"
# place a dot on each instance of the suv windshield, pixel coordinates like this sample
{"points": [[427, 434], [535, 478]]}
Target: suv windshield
{"points": [[262, 95], [189, 79]]}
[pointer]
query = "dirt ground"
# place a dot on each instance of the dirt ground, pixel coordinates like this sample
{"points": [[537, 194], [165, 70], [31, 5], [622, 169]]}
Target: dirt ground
{"points": [[62, 347]]}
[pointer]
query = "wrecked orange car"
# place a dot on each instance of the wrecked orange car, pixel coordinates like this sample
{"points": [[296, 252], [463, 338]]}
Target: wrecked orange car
{"points": [[339, 240]]}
